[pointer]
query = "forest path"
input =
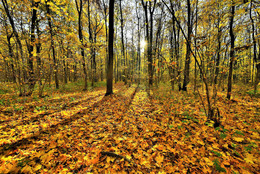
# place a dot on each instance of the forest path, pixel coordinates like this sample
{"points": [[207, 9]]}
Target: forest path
{"points": [[128, 132], [122, 130], [14, 133], [20, 111]]}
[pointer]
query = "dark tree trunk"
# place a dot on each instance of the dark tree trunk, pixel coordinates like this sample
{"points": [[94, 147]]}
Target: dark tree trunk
{"points": [[218, 52], [19, 43], [232, 51], [81, 38], [110, 48], [187, 61], [55, 62], [32, 79], [6, 7], [38, 51], [9, 74], [173, 48], [11, 55], [195, 44], [139, 45]]}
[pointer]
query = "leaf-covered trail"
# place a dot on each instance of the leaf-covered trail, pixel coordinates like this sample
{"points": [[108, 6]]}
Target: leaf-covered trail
{"points": [[45, 106], [27, 142], [34, 123], [129, 132]]}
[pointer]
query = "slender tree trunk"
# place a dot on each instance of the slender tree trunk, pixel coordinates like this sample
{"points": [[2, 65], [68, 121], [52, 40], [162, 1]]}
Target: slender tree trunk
{"points": [[91, 40], [105, 17], [38, 51], [218, 53], [232, 51], [122, 41], [254, 50], [11, 55], [150, 44], [79, 6], [94, 59], [145, 6], [19, 43], [55, 62], [6, 77], [32, 79], [139, 45], [187, 61], [195, 44], [75, 73], [171, 69], [110, 48]]}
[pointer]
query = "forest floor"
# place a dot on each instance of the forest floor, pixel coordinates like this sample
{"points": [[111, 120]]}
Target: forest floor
{"points": [[131, 131]]}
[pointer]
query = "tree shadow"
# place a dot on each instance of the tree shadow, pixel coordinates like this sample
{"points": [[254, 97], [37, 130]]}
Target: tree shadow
{"points": [[106, 102]]}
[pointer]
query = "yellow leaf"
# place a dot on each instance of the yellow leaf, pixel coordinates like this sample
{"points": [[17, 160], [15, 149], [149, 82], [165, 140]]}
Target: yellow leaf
{"points": [[120, 139], [226, 163], [208, 161], [215, 146], [225, 145], [206, 169], [255, 135], [65, 170], [27, 169], [201, 142], [159, 159], [37, 167], [144, 162], [86, 158], [249, 158], [159, 147], [128, 157], [238, 139]]}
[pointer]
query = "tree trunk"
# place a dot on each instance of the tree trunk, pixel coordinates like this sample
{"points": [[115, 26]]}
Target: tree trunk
{"points": [[232, 51], [55, 62], [31, 48], [11, 20], [38, 51], [122, 41], [195, 44], [81, 38], [150, 44], [254, 51], [138, 45], [11, 55], [187, 61], [110, 49], [218, 53]]}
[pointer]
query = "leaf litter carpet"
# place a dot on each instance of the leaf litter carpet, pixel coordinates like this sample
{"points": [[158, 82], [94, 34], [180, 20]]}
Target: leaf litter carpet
{"points": [[127, 132]]}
